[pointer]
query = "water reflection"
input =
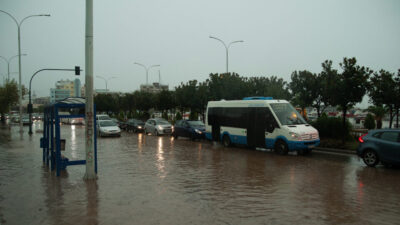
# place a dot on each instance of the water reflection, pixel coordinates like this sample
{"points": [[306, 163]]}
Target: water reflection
{"points": [[141, 141], [160, 158], [165, 181], [74, 143], [92, 202]]}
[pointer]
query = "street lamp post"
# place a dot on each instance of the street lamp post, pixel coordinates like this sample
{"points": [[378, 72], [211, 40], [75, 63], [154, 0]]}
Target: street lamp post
{"points": [[147, 70], [106, 80], [226, 48], [8, 64], [19, 62], [30, 108]]}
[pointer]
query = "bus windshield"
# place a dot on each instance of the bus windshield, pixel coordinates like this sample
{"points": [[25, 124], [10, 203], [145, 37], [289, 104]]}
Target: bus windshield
{"points": [[286, 114]]}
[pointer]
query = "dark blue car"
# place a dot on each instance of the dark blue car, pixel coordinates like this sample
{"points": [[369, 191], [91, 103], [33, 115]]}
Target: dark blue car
{"points": [[380, 146], [189, 128]]}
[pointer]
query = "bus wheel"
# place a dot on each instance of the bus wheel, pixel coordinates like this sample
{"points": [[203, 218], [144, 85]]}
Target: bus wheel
{"points": [[281, 147], [226, 141]]}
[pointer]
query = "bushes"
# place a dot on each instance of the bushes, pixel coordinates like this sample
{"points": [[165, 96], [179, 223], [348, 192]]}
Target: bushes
{"points": [[331, 127]]}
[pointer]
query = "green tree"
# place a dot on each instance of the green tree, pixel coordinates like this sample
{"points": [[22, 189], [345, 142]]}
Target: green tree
{"points": [[108, 103], [226, 86], [304, 91], [350, 86], [369, 122], [8, 97], [268, 87], [165, 100], [383, 90], [144, 101], [397, 103], [320, 100]]}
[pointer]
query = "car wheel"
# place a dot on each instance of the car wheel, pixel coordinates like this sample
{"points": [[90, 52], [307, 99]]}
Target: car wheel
{"points": [[281, 147], [226, 141], [370, 158], [156, 133], [175, 135]]}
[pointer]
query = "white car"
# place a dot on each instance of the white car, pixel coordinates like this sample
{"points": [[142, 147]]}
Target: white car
{"points": [[102, 117], [158, 126], [108, 128]]}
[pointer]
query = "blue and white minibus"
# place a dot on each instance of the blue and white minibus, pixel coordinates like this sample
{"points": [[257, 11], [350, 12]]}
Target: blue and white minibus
{"points": [[260, 122]]}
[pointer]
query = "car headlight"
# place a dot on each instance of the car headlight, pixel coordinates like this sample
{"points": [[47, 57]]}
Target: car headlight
{"points": [[197, 131], [295, 136], [139, 127], [160, 127]]}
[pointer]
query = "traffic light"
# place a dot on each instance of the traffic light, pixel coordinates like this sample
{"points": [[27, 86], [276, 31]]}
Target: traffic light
{"points": [[77, 70]]}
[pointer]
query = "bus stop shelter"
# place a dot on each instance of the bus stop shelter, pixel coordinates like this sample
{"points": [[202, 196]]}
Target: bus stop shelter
{"points": [[52, 143]]}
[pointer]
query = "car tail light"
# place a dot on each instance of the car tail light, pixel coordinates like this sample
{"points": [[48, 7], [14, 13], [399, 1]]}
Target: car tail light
{"points": [[360, 139]]}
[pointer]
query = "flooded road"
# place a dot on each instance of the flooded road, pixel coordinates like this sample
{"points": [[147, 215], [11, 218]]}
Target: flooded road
{"points": [[157, 180]]}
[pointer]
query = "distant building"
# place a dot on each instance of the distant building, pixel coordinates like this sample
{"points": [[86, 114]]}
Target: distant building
{"points": [[77, 88], [66, 85], [83, 88], [59, 94], [65, 89], [41, 100], [153, 88]]}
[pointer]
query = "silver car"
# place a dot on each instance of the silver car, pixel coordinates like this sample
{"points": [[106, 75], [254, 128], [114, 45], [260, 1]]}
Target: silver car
{"points": [[158, 126], [108, 128]]}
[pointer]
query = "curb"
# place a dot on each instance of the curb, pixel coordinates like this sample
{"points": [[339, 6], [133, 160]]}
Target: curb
{"points": [[342, 151]]}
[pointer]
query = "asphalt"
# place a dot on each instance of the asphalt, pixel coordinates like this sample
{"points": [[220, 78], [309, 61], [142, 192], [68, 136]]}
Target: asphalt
{"points": [[335, 150]]}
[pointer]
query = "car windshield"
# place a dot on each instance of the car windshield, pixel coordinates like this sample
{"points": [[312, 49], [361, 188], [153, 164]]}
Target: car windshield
{"points": [[286, 114], [162, 122], [195, 123], [104, 117], [107, 123]]}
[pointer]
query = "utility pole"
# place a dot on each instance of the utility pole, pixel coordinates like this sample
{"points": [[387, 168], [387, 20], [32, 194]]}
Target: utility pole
{"points": [[89, 114]]}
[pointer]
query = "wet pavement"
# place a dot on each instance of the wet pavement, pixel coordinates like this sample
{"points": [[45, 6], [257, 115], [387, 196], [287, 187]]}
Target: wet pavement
{"points": [[157, 180]]}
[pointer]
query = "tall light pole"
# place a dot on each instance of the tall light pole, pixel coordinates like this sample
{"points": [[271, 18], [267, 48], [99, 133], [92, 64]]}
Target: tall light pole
{"points": [[106, 80], [19, 62], [147, 70], [227, 49], [8, 64], [90, 173]]}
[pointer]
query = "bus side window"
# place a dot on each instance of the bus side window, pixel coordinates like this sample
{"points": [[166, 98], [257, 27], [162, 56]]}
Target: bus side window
{"points": [[271, 123], [210, 116]]}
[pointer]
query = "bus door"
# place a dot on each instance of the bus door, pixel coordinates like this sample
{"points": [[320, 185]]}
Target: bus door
{"points": [[256, 127], [214, 119], [216, 132]]}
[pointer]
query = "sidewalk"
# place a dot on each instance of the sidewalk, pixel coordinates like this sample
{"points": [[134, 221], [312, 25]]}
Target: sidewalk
{"points": [[335, 150]]}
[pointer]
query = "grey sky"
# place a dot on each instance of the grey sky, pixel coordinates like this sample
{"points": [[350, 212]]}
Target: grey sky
{"points": [[280, 37]]}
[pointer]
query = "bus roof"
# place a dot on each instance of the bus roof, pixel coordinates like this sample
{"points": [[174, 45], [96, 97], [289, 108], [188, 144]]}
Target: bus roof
{"points": [[246, 103]]}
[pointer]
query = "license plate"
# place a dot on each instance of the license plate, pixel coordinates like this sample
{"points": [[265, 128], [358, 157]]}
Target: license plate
{"points": [[311, 146]]}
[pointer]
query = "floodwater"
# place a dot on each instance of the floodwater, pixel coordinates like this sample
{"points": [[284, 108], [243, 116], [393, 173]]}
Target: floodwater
{"points": [[157, 180]]}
